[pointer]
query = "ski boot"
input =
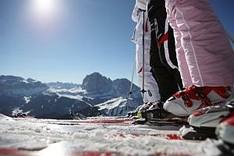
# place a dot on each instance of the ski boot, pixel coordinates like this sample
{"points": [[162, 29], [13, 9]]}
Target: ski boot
{"points": [[156, 115], [155, 111], [225, 132], [137, 112], [203, 122], [134, 114], [225, 129]]}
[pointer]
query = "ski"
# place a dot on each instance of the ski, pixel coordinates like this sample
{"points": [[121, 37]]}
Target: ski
{"points": [[122, 120], [22, 152], [114, 121], [167, 122], [167, 135], [193, 133], [87, 120], [107, 120], [66, 152], [179, 122]]}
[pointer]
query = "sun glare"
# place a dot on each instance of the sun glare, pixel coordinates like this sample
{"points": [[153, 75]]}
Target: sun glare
{"points": [[45, 15], [45, 7]]}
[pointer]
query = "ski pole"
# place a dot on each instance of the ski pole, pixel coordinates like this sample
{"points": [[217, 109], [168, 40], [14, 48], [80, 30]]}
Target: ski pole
{"points": [[131, 86], [143, 54]]}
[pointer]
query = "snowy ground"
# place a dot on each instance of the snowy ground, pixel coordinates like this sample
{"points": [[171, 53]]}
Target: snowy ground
{"points": [[44, 137]]}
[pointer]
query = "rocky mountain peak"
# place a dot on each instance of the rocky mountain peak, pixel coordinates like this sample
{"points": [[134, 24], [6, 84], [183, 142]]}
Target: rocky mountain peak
{"points": [[95, 82]]}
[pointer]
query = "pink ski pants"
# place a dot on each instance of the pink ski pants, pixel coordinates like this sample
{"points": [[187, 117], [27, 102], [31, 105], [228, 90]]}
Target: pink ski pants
{"points": [[205, 56]]}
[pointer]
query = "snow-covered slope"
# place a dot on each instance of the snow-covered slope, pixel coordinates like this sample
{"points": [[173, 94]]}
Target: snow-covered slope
{"points": [[117, 106], [56, 137]]}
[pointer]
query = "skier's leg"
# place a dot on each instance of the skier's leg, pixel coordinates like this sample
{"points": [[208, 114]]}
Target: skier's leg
{"points": [[139, 65], [165, 41], [167, 52], [141, 37], [207, 49], [182, 63], [166, 82], [162, 72], [208, 54], [172, 57], [150, 85]]}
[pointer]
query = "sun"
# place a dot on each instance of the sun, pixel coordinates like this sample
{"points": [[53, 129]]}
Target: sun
{"points": [[44, 15], [45, 7]]}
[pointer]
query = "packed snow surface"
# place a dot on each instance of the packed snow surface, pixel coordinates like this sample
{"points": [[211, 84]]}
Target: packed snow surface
{"points": [[60, 136]]}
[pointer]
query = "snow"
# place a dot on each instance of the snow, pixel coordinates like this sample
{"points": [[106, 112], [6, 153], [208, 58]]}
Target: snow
{"points": [[117, 106], [72, 93], [113, 103], [27, 99], [57, 137]]}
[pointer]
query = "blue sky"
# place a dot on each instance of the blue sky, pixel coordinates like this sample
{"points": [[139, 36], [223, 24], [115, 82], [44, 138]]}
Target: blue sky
{"points": [[69, 39]]}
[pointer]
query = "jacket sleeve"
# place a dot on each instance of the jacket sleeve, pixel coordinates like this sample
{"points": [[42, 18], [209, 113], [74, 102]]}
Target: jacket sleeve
{"points": [[135, 14], [141, 4]]}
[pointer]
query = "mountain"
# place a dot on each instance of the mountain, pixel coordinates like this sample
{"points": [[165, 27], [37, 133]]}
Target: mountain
{"points": [[96, 83], [17, 86], [100, 89], [97, 95], [33, 97]]}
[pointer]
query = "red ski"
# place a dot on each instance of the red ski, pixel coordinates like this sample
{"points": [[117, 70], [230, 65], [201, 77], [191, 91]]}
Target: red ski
{"points": [[66, 152]]}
